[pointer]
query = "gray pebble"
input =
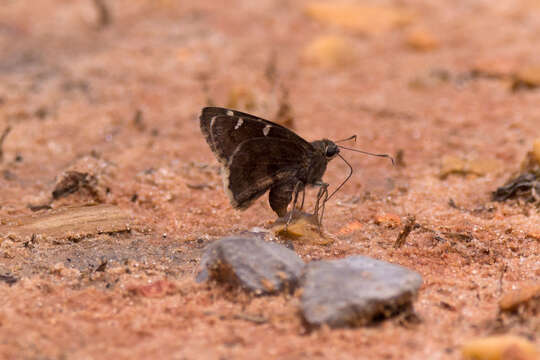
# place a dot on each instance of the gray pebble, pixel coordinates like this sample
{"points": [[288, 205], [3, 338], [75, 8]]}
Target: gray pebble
{"points": [[355, 291], [255, 265]]}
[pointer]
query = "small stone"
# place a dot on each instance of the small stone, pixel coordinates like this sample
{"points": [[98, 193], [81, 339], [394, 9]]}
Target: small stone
{"points": [[495, 68], [434, 78], [478, 167], [351, 228], [527, 77], [253, 264], [452, 165], [61, 270], [360, 18], [482, 166], [329, 52], [184, 54], [241, 97], [536, 150], [421, 40], [388, 220], [356, 291], [500, 348], [157, 289], [527, 295]]}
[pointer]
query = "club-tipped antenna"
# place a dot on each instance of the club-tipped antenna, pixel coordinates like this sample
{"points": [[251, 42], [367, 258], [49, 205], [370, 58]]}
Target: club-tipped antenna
{"points": [[344, 181], [368, 153], [350, 166], [353, 137]]}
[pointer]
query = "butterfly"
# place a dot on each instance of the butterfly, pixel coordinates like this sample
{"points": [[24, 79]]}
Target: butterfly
{"points": [[258, 155]]}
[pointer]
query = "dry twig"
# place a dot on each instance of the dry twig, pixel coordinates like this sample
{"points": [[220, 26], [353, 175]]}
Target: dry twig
{"points": [[2, 138], [409, 226]]}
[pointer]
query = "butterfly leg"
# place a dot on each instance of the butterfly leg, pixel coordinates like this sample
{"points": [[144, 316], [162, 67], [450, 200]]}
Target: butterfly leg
{"points": [[297, 188], [322, 194], [323, 206], [303, 197]]}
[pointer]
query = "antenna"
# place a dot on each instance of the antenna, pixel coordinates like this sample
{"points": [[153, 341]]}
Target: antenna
{"points": [[350, 166], [368, 153], [344, 181], [353, 137]]}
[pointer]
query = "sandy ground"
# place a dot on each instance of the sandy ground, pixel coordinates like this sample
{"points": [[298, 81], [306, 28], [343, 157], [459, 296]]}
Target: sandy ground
{"points": [[118, 97]]}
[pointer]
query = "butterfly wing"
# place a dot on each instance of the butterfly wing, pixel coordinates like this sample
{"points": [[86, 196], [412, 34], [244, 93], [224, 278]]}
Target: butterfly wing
{"points": [[226, 129], [261, 163]]}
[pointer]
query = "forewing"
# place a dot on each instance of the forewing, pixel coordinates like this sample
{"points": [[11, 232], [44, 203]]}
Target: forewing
{"points": [[260, 163], [226, 129]]}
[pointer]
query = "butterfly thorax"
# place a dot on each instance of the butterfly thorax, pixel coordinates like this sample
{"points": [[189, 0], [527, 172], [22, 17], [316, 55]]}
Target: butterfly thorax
{"points": [[326, 151]]}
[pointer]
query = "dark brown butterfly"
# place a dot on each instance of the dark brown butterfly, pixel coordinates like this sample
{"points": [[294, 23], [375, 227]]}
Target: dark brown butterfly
{"points": [[258, 155]]}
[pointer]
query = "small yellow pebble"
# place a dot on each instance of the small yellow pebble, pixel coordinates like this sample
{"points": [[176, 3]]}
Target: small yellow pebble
{"points": [[511, 300], [360, 18], [421, 40], [478, 167], [241, 97], [536, 150], [500, 348], [329, 51], [529, 75]]}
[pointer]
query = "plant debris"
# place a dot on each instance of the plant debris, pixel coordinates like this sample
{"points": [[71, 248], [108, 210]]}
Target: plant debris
{"points": [[409, 226], [2, 138], [526, 184], [104, 14], [285, 114], [8, 279], [73, 181], [70, 223]]}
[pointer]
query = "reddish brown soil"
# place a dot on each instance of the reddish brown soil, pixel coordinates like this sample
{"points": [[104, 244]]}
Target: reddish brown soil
{"points": [[70, 90]]}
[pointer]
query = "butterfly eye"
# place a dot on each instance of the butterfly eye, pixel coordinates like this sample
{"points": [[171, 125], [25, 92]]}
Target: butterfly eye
{"points": [[332, 151]]}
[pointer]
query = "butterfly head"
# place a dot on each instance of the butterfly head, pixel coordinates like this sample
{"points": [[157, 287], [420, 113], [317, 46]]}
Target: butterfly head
{"points": [[327, 147]]}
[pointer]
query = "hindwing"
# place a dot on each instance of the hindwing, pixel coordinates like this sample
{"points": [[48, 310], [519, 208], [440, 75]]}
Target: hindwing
{"points": [[261, 163]]}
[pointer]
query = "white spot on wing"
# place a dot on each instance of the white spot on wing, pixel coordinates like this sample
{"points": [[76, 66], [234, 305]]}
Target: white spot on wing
{"points": [[225, 174], [230, 113], [238, 124], [212, 121], [266, 130]]}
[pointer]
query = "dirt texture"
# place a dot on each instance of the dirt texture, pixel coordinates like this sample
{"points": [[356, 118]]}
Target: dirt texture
{"points": [[98, 110]]}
